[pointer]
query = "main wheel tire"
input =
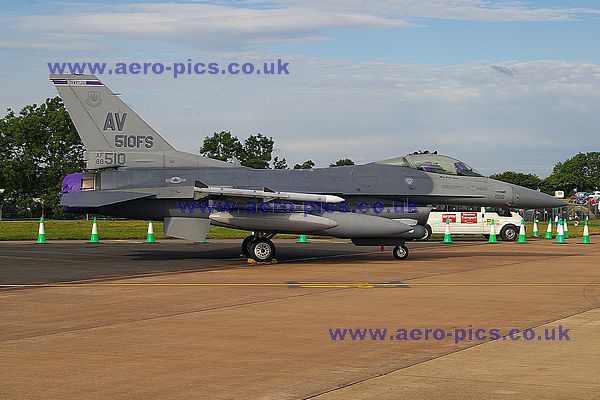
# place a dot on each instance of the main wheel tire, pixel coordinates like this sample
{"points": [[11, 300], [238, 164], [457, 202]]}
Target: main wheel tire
{"points": [[400, 252], [262, 250], [509, 233], [246, 245]]}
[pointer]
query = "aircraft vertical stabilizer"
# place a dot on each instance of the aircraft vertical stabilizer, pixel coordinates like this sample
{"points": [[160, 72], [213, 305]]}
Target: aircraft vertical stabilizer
{"points": [[113, 134]]}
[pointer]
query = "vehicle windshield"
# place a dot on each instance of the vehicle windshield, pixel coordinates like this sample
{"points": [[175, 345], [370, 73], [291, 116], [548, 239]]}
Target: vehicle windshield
{"points": [[435, 163], [502, 212]]}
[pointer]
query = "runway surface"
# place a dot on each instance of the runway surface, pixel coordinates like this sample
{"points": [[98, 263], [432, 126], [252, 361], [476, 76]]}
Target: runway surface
{"points": [[175, 320]]}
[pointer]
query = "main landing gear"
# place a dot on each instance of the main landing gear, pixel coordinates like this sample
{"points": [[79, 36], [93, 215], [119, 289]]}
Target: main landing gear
{"points": [[400, 252], [259, 247]]}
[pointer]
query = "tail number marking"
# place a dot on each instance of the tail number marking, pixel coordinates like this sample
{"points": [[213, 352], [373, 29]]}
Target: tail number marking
{"points": [[110, 159]]}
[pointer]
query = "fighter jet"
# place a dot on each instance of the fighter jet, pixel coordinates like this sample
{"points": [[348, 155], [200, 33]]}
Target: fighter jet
{"points": [[135, 173]]}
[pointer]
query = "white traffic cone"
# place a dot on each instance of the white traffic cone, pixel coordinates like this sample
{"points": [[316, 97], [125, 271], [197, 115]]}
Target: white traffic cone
{"points": [[522, 238], [560, 233], [493, 238], [447, 234], [585, 239], [150, 236], [549, 230], [94, 236], [41, 232]]}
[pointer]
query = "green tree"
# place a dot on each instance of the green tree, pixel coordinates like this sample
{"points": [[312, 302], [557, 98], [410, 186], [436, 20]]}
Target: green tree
{"points": [[581, 172], [38, 147], [222, 146], [530, 181], [279, 164], [257, 151], [308, 164], [342, 162]]}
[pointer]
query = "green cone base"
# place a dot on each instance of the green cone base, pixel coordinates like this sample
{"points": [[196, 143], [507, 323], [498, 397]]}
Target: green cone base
{"points": [[302, 239]]}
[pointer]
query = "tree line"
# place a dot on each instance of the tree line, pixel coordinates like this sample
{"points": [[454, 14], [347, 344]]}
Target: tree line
{"points": [[39, 146], [578, 173], [255, 152]]}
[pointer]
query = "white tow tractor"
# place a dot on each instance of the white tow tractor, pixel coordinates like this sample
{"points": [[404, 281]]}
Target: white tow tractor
{"points": [[465, 220]]}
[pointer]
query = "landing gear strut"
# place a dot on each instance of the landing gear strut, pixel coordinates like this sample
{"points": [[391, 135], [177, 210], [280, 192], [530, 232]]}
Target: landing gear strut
{"points": [[259, 247], [400, 252]]}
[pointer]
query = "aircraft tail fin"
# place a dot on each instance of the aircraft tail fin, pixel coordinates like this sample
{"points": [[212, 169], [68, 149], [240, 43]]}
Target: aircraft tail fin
{"points": [[113, 134], [102, 119]]}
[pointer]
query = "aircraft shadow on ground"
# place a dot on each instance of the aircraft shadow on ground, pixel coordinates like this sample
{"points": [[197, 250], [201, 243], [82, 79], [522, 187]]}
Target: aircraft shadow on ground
{"points": [[233, 253], [206, 257]]}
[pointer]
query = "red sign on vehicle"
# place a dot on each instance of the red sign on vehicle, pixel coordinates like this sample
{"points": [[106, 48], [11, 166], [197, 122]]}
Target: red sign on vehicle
{"points": [[449, 217], [468, 218]]}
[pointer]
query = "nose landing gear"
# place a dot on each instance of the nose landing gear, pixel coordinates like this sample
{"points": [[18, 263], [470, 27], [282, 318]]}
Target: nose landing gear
{"points": [[400, 252]]}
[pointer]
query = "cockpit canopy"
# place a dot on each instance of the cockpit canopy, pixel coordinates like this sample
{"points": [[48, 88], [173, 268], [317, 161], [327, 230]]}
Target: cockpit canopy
{"points": [[435, 163]]}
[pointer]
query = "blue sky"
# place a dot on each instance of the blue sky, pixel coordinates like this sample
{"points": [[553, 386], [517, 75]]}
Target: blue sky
{"points": [[501, 84]]}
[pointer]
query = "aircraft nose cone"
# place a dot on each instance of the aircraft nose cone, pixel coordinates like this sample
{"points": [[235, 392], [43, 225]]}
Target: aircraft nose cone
{"points": [[528, 199]]}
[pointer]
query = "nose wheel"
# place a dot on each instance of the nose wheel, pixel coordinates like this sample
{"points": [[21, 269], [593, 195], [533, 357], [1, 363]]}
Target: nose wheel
{"points": [[400, 252]]}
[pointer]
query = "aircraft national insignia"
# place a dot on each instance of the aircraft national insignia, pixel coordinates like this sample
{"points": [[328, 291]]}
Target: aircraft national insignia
{"points": [[175, 179], [93, 99]]}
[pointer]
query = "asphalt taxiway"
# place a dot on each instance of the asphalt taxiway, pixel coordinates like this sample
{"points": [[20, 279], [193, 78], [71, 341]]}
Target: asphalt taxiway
{"points": [[177, 320]]}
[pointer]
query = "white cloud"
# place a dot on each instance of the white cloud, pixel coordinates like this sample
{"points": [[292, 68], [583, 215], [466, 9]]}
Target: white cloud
{"points": [[208, 26], [462, 10], [223, 25]]}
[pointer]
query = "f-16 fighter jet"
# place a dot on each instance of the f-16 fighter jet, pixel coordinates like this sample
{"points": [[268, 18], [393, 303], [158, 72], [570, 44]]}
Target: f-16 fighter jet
{"points": [[138, 174]]}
